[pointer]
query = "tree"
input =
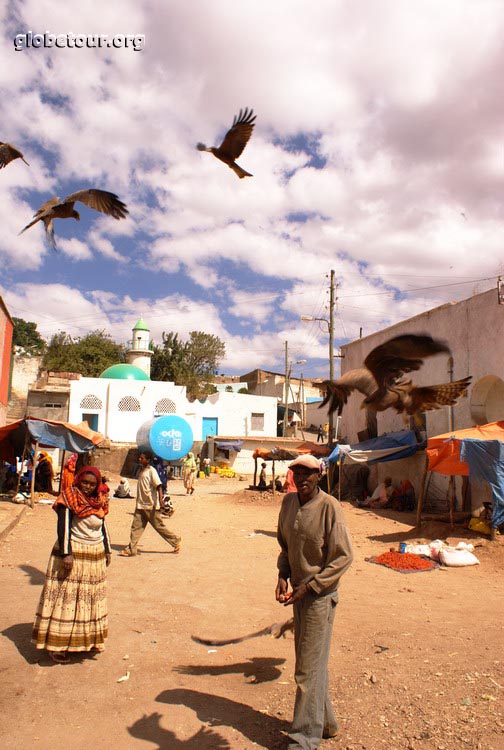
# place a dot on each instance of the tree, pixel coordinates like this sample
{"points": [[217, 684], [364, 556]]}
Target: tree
{"points": [[26, 337], [89, 355], [192, 363]]}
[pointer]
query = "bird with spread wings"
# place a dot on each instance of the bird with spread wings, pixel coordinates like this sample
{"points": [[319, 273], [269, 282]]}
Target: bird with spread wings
{"points": [[8, 153], [381, 382], [99, 200], [234, 142]]}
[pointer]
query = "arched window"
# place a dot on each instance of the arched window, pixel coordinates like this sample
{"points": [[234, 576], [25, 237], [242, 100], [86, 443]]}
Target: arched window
{"points": [[487, 400], [165, 406], [91, 402], [129, 403]]}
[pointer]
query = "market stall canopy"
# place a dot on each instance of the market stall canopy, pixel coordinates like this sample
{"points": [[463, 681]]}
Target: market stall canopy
{"points": [[443, 451], [477, 452], [389, 447], [229, 445], [70, 437], [277, 454], [313, 448]]}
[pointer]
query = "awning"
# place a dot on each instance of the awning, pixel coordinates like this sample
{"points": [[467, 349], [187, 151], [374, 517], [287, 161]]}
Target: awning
{"points": [[229, 445], [389, 447], [277, 454], [444, 450], [70, 437]]}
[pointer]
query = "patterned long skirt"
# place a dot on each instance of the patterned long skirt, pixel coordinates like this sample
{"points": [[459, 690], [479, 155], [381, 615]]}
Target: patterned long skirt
{"points": [[72, 611]]}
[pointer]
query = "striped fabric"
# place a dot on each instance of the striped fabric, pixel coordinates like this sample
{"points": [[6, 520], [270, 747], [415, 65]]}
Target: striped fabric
{"points": [[72, 611]]}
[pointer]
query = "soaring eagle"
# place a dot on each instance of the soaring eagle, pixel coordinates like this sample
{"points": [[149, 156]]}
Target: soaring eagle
{"points": [[234, 142], [380, 380], [100, 200], [8, 153]]}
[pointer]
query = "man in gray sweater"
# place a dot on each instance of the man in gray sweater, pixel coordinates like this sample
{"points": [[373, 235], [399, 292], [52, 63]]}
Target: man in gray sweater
{"points": [[315, 552]]}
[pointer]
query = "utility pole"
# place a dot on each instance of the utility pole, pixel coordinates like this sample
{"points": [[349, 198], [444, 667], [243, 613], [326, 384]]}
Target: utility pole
{"points": [[286, 391], [331, 350]]}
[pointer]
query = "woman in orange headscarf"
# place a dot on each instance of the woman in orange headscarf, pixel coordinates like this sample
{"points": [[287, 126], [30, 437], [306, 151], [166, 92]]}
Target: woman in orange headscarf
{"points": [[68, 473], [72, 611]]}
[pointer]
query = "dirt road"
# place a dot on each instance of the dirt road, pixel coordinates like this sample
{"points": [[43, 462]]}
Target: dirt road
{"points": [[416, 662]]}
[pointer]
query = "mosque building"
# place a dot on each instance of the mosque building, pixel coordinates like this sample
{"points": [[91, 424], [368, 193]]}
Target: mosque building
{"points": [[123, 398]]}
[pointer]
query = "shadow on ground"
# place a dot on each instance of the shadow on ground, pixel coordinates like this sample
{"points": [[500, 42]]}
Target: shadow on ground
{"points": [[214, 710], [260, 669]]}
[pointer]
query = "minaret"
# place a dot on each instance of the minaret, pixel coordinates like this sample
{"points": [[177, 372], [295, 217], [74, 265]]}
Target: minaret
{"points": [[139, 353]]}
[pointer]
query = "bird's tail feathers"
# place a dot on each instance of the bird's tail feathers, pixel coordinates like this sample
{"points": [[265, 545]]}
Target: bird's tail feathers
{"points": [[239, 171]]}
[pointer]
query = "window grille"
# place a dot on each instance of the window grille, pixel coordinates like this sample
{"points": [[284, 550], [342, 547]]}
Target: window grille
{"points": [[165, 406], [129, 403], [91, 402]]}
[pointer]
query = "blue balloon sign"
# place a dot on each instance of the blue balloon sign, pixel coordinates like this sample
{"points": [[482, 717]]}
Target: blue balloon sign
{"points": [[169, 437]]}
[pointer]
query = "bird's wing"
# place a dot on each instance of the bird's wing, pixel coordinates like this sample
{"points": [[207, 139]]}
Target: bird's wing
{"points": [[338, 391], [401, 354], [42, 213], [238, 134], [99, 200], [8, 153], [427, 398]]}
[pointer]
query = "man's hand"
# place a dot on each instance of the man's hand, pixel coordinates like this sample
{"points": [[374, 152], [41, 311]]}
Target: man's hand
{"points": [[281, 589], [298, 594], [68, 563]]}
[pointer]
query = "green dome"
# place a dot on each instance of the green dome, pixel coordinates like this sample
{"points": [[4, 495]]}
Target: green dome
{"points": [[141, 326], [124, 372]]}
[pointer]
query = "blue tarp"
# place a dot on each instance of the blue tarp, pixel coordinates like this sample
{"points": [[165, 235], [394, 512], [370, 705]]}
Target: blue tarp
{"points": [[58, 436], [486, 463], [389, 447], [229, 445]]}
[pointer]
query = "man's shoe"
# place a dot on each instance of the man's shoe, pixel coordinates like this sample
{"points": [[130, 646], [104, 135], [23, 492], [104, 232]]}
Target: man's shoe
{"points": [[177, 549], [126, 553]]}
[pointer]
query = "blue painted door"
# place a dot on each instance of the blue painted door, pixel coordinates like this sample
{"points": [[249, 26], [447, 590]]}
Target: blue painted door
{"points": [[209, 427], [92, 420]]}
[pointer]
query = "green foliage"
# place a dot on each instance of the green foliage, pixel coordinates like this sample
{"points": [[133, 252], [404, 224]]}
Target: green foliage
{"points": [[192, 363], [27, 338], [243, 390], [89, 355]]}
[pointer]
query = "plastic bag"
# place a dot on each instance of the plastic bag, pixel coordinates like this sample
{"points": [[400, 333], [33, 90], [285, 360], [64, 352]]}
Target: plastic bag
{"points": [[457, 558]]}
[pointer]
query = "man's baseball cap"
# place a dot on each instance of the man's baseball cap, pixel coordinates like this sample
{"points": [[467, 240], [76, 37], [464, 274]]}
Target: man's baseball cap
{"points": [[309, 461]]}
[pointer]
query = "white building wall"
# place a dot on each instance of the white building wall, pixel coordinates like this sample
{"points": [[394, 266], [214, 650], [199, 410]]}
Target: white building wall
{"points": [[474, 329], [122, 406]]}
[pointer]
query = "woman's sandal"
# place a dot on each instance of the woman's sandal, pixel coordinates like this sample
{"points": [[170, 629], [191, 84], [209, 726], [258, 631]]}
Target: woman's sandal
{"points": [[59, 657]]}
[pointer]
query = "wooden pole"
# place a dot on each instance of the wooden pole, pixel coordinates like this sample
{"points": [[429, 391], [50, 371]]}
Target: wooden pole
{"points": [[422, 492], [273, 483], [32, 488], [25, 446], [451, 499], [255, 471], [62, 463]]}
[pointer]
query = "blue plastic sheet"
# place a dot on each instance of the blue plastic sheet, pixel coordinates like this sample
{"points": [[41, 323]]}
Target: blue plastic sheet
{"points": [[389, 447], [486, 463]]}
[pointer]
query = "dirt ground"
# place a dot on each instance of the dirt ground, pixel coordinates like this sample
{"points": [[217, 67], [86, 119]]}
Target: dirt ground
{"points": [[416, 661]]}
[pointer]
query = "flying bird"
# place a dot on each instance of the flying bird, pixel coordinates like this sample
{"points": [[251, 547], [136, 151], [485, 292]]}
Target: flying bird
{"points": [[8, 153], [380, 380], [234, 142], [100, 200]]}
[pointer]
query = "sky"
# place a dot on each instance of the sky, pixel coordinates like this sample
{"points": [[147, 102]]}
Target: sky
{"points": [[378, 152]]}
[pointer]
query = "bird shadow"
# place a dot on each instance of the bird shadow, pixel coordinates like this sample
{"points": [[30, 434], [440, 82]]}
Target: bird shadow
{"points": [[215, 710], [37, 577], [149, 728], [260, 669]]}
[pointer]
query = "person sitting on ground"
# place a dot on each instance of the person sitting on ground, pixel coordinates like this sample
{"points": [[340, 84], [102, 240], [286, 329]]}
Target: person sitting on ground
{"points": [[381, 496], [278, 485], [123, 489], [262, 478], [403, 498]]}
